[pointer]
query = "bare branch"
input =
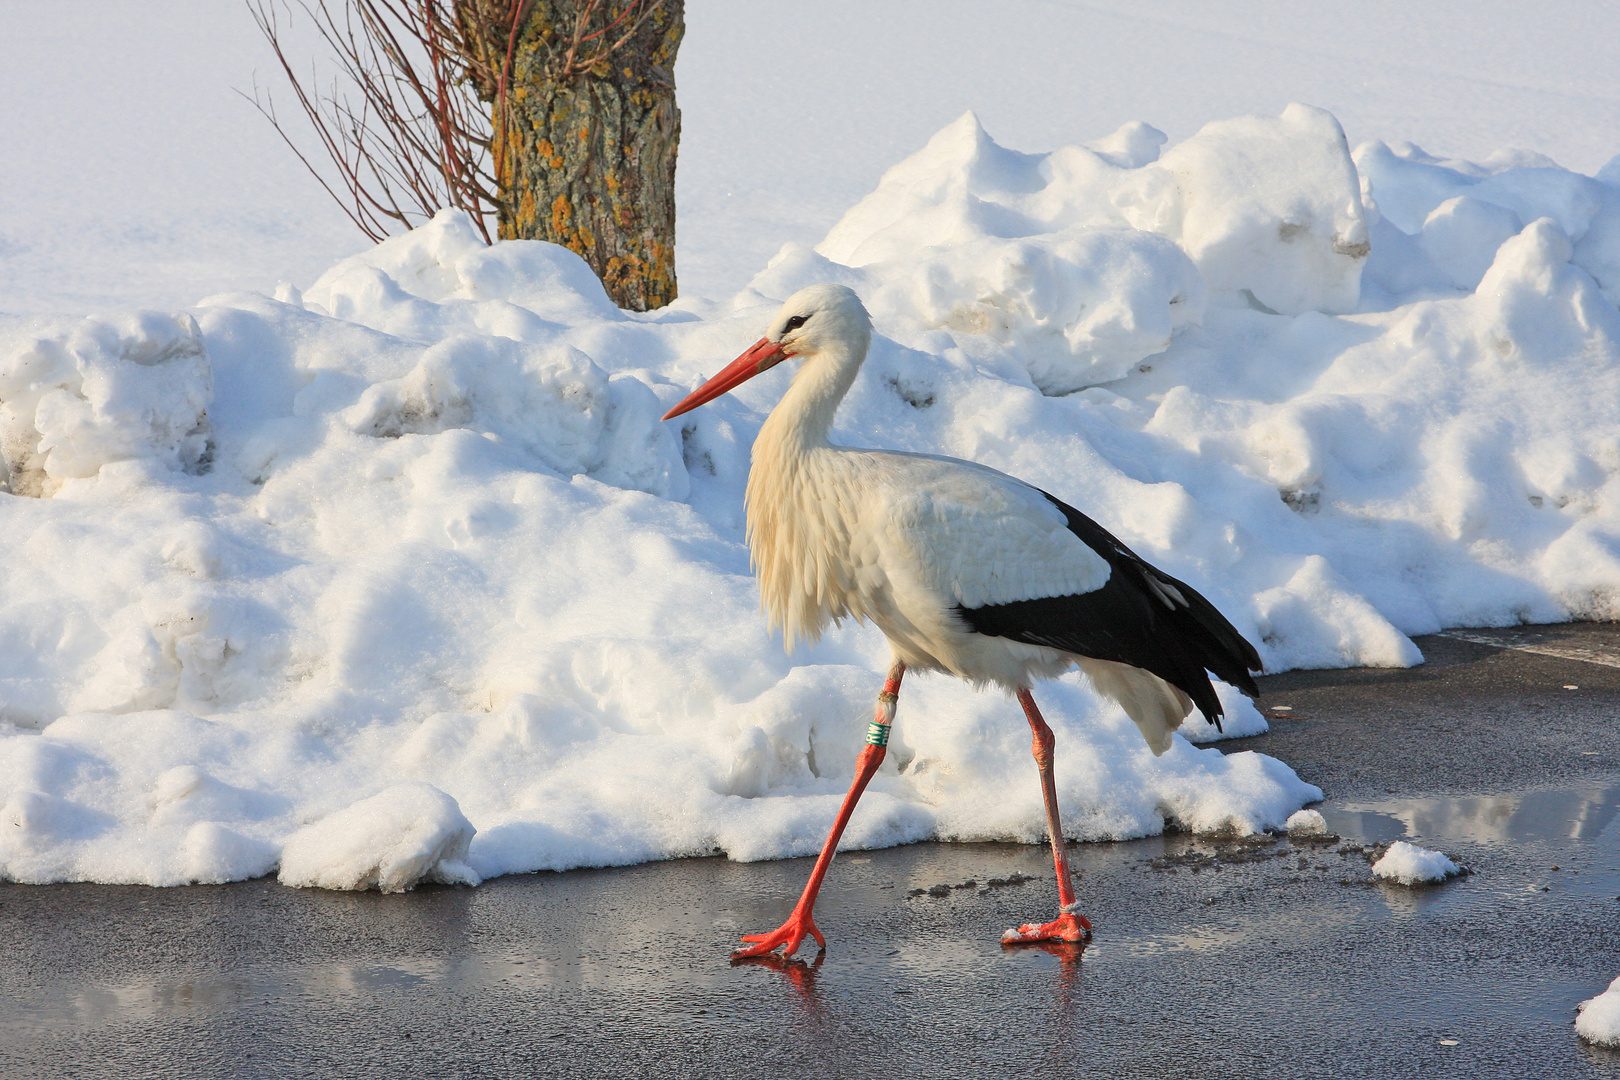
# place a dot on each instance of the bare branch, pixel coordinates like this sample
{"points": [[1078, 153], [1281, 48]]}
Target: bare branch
{"points": [[637, 11], [401, 126]]}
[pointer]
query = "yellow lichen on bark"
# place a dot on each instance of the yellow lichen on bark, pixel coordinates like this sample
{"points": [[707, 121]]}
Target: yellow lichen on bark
{"points": [[588, 161]]}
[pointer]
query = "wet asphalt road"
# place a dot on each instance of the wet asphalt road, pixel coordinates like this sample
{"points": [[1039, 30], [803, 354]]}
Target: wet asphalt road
{"points": [[1213, 958]]}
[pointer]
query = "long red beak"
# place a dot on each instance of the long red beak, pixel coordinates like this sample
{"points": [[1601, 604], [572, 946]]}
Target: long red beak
{"points": [[763, 355]]}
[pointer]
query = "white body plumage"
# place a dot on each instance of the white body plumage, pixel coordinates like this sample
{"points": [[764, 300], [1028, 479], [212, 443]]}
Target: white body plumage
{"points": [[907, 540]]}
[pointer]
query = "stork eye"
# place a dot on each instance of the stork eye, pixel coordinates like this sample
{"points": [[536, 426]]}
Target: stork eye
{"points": [[795, 322]]}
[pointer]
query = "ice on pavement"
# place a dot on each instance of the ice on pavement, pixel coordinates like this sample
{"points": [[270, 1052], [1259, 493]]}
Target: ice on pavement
{"points": [[1598, 1020], [1408, 864], [419, 528]]}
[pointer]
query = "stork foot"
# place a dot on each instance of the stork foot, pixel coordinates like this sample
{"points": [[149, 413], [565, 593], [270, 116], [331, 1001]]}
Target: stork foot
{"points": [[788, 937], [1069, 926]]}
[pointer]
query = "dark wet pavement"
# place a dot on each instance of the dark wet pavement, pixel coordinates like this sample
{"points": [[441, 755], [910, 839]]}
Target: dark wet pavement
{"points": [[1213, 958]]}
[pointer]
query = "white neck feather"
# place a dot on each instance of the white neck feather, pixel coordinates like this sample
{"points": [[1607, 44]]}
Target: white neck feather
{"points": [[800, 501], [804, 416]]}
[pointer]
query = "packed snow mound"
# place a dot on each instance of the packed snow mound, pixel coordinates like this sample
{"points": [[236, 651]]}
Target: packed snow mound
{"points": [[422, 524], [508, 375], [1306, 823], [132, 386], [391, 841], [1408, 864], [102, 797], [1599, 1017], [444, 273], [1087, 260], [1242, 719], [1439, 223], [552, 403], [1269, 207]]}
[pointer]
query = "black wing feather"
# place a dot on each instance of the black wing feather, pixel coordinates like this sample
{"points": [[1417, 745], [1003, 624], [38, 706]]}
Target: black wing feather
{"points": [[1142, 617]]}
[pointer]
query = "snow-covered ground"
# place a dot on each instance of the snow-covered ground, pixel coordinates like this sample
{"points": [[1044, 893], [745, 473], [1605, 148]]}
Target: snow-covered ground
{"points": [[287, 570]]}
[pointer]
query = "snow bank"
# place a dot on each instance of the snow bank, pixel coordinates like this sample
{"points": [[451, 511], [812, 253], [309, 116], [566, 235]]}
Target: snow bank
{"points": [[1408, 864], [1087, 260], [389, 842], [1242, 719], [1599, 1019], [132, 387], [418, 535]]}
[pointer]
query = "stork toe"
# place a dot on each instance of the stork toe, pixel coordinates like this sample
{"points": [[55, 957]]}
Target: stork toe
{"points": [[789, 936], [1068, 926]]}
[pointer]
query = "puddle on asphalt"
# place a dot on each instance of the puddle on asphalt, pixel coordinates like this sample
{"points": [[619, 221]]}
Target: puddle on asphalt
{"points": [[147, 999], [1576, 826], [1192, 938], [1581, 813], [1576, 821]]}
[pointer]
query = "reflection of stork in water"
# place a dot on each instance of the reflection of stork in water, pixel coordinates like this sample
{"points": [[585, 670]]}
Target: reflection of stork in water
{"points": [[823, 1033], [965, 570], [818, 1025], [1068, 957], [800, 975]]}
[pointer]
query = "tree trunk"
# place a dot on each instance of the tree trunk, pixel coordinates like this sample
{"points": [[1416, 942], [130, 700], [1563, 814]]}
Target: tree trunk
{"points": [[586, 130]]}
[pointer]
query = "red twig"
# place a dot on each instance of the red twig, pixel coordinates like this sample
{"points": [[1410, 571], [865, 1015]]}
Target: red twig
{"points": [[417, 139], [572, 66], [520, 10]]}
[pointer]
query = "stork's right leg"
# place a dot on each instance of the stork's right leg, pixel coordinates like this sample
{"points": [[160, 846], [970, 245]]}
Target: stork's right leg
{"points": [[800, 924], [1070, 925]]}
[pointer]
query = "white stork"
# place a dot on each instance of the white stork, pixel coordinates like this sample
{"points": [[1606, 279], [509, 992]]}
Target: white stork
{"points": [[965, 570]]}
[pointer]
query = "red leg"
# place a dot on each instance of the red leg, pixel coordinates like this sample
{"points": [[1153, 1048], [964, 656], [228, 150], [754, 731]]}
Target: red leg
{"points": [[800, 924], [1070, 925]]}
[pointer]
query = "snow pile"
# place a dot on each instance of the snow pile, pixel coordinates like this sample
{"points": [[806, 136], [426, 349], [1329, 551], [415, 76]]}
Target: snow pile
{"points": [[100, 798], [1460, 213], [1087, 260], [1599, 1019], [492, 367], [391, 841], [134, 386], [1408, 864], [1306, 823], [418, 535], [1241, 720]]}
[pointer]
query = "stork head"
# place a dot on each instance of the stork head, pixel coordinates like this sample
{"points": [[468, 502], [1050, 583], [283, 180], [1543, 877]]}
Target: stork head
{"points": [[817, 321]]}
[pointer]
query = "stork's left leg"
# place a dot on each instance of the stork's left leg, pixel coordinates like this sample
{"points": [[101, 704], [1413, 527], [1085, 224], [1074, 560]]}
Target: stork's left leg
{"points": [[801, 923], [1070, 925]]}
